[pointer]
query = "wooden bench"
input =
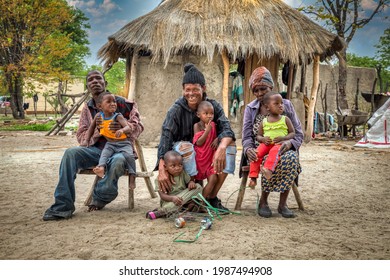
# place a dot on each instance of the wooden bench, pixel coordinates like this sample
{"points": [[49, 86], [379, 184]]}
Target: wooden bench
{"points": [[143, 174], [241, 192]]}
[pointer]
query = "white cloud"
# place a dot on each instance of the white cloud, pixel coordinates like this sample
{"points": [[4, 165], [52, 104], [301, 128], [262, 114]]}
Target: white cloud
{"points": [[293, 3], [109, 6], [81, 4], [94, 8], [368, 4]]}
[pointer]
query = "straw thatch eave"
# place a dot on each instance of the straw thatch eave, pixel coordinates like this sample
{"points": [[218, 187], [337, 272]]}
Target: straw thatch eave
{"points": [[242, 27]]}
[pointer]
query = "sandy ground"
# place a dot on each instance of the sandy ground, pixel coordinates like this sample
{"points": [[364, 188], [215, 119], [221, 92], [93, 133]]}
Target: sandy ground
{"points": [[345, 191]]}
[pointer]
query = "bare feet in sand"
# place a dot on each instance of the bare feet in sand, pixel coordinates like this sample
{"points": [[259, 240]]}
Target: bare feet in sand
{"points": [[92, 208], [252, 183], [266, 173], [99, 170]]}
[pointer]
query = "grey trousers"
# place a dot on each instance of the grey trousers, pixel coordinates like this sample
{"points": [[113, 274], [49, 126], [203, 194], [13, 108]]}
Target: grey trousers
{"points": [[123, 147]]}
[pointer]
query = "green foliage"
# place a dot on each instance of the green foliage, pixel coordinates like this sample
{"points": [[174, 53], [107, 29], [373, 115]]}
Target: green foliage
{"points": [[116, 77], [383, 49], [365, 61], [32, 127], [40, 40], [361, 61], [73, 63]]}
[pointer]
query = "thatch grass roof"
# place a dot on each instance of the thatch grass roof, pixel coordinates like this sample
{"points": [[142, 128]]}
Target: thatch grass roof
{"points": [[265, 27]]}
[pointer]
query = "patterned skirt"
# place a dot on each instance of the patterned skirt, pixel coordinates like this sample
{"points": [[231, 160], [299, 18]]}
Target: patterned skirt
{"points": [[285, 173]]}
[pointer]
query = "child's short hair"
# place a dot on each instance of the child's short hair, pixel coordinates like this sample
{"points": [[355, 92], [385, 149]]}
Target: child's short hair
{"points": [[204, 104], [268, 95], [99, 99], [171, 154]]}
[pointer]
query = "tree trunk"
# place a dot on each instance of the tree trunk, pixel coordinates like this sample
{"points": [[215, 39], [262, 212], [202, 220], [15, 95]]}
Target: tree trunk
{"points": [[14, 84], [60, 91], [313, 99], [343, 102]]}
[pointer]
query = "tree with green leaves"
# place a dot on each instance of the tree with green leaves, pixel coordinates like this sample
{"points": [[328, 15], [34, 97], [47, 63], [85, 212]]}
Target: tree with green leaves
{"points": [[72, 64], [344, 17], [383, 58], [34, 38], [383, 49]]}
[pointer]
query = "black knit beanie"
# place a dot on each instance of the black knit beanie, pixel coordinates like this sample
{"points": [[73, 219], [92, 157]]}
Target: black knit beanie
{"points": [[192, 75]]}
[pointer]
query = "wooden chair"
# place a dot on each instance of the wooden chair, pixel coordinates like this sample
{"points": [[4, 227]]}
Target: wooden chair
{"points": [[143, 174], [241, 192]]}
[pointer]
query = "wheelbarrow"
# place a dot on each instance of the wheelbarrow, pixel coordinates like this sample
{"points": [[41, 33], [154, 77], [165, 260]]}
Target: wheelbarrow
{"points": [[351, 117]]}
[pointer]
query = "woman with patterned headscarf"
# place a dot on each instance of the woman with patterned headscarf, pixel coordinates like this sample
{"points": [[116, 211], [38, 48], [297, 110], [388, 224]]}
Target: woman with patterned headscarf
{"points": [[288, 167]]}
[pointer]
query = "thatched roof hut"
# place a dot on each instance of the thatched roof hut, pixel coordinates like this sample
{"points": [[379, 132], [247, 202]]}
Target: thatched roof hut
{"points": [[260, 32]]}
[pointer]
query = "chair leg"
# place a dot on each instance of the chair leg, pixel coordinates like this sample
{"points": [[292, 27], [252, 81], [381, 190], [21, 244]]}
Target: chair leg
{"points": [[131, 196], [88, 200], [298, 197], [142, 164], [241, 192]]}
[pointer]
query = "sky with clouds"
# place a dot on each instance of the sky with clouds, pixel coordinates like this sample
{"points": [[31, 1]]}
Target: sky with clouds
{"points": [[108, 16]]}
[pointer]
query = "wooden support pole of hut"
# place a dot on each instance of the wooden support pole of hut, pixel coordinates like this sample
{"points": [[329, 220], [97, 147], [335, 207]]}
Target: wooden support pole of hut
{"points": [[225, 86], [292, 73], [133, 77], [373, 97], [313, 98]]}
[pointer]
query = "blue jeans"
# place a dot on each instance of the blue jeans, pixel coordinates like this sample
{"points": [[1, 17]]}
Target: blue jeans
{"points": [[188, 154], [76, 158], [231, 152]]}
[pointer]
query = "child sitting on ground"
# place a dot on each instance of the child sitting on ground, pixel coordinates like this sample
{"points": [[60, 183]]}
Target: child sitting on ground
{"points": [[273, 130], [182, 191], [117, 141], [205, 143]]}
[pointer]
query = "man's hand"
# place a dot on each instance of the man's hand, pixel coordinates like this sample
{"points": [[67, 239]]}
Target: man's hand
{"points": [[286, 145], [219, 161], [99, 122], [115, 126]]}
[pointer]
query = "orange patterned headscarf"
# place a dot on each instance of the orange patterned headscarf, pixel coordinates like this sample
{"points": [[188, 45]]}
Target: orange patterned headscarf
{"points": [[260, 77]]}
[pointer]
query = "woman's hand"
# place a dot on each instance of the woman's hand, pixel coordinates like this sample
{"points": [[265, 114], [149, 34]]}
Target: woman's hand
{"points": [[165, 180], [214, 144], [219, 161], [286, 145], [251, 154]]}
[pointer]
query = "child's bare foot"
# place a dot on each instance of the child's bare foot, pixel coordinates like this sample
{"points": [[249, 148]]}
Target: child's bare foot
{"points": [[99, 170], [266, 173], [252, 183]]}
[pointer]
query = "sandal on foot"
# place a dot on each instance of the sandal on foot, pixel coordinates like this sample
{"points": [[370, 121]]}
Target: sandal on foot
{"points": [[154, 215]]}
